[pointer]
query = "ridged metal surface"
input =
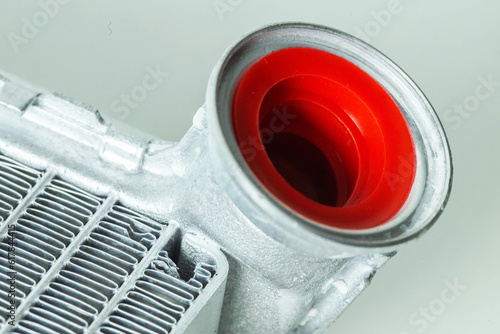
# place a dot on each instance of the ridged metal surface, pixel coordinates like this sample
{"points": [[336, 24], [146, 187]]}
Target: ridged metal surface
{"points": [[16, 180], [92, 276], [81, 274], [158, 300], [42, 233]]}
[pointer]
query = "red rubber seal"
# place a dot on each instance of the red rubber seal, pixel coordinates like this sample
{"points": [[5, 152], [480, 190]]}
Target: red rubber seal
{"points": [[324, 138]]}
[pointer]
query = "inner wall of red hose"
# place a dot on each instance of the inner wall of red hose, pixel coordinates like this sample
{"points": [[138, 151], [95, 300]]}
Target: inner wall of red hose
{"points": [[324, 138]]}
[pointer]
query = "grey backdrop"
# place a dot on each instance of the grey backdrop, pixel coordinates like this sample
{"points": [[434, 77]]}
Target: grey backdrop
{"points": [[96, 51]]}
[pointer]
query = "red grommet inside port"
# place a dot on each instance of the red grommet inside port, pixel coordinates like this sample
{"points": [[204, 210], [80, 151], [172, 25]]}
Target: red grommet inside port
{"points": [[324, 138]]}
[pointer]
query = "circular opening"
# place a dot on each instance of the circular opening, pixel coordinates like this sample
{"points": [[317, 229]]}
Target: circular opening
{"points": [[305, 168], [324, 138]]}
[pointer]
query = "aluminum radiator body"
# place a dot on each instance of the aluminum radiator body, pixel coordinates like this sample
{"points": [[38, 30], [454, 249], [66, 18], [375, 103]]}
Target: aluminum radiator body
{"points": [[107, 230]]}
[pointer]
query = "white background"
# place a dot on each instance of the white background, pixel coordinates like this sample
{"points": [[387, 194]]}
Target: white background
{"points": [[95, 51]]}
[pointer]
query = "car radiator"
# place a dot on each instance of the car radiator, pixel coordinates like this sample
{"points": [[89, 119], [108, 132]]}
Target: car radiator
{"points": [[313, 159]]}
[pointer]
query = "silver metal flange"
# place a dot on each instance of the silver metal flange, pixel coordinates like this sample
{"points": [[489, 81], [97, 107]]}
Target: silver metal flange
{"points": [[432, 184]]}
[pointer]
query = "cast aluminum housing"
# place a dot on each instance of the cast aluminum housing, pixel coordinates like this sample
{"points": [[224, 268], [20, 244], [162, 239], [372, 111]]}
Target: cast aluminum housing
{"points": [[117, 232]]}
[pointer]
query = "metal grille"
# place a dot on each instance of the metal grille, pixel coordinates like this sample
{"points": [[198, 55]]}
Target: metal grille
{"points": [[77, 257], [158, 300], [16, 180], [40, 236], [92, 276]]}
